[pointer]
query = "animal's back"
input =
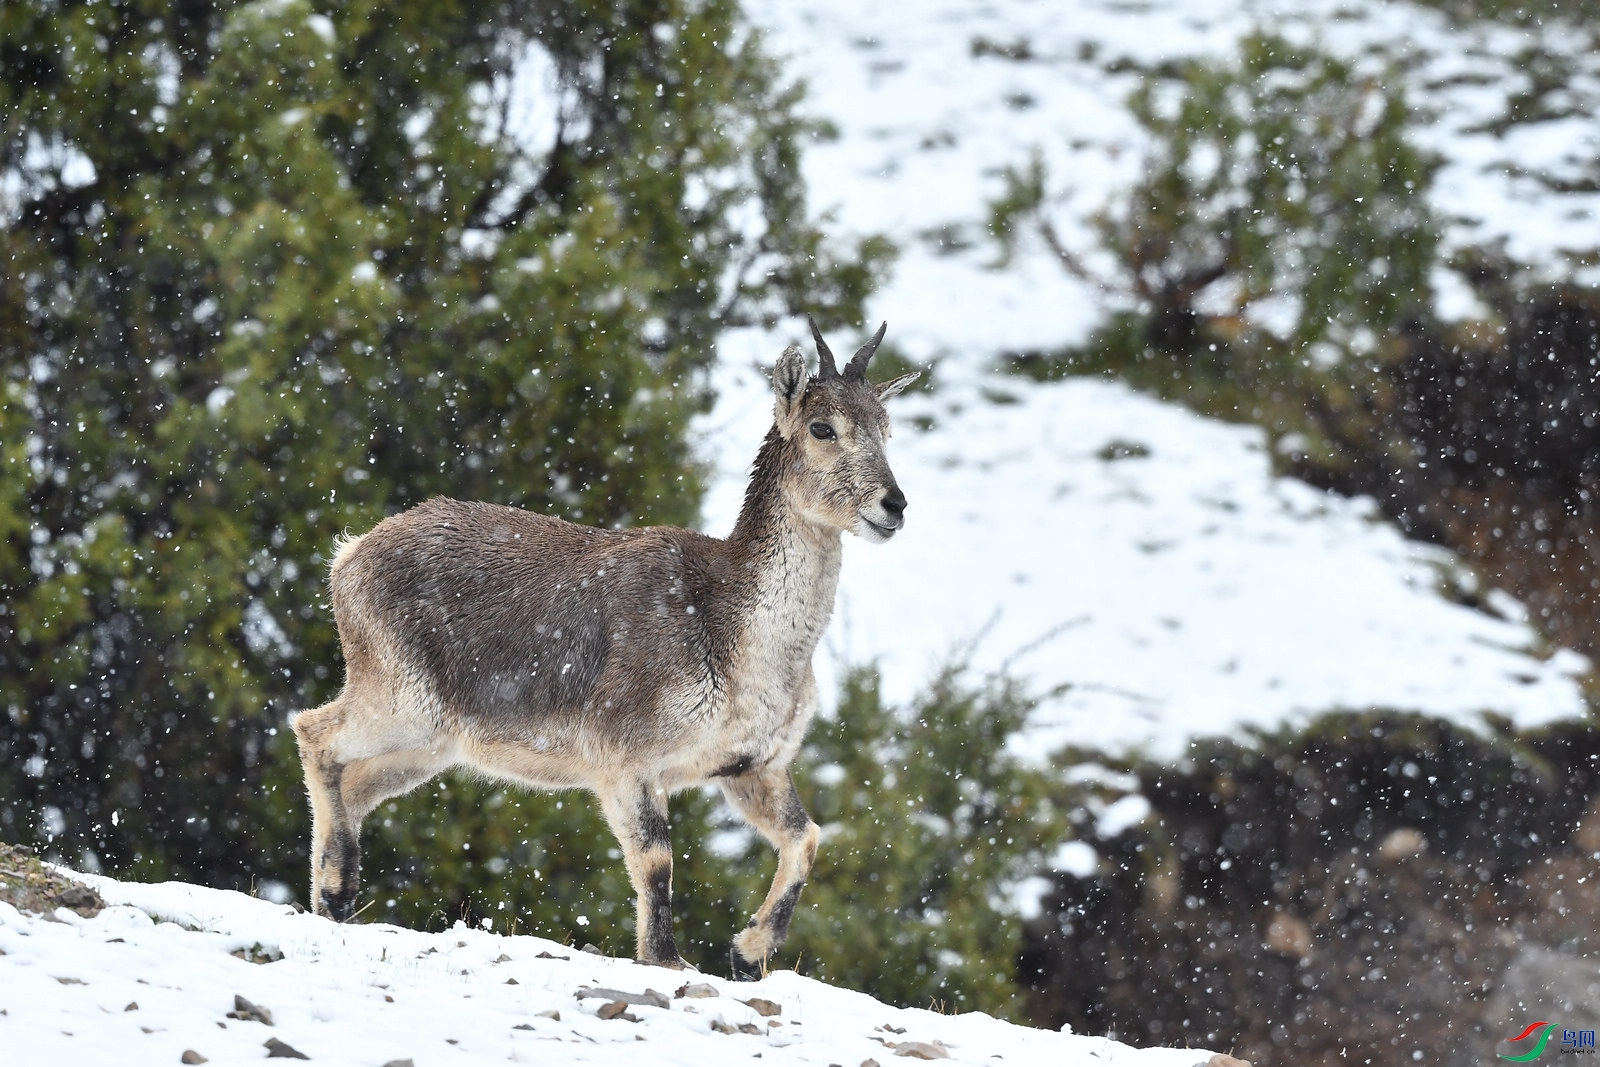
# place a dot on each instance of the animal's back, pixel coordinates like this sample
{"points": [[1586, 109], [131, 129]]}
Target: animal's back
{"points": [[516, 619]]}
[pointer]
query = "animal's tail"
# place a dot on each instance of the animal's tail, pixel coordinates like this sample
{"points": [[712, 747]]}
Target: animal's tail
{"points": [[343, 544]]}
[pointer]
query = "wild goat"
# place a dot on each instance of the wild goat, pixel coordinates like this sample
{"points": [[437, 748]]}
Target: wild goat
{"points": [[633, 663]]}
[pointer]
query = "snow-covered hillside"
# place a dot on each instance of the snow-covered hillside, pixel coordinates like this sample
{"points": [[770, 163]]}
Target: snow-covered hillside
{"points": [[171, 973], [1138, 560]]}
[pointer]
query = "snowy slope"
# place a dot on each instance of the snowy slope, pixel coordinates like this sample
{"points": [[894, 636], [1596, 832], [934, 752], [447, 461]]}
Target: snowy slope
{"points": [[1182, 590], [154, 976], [928, 112]]}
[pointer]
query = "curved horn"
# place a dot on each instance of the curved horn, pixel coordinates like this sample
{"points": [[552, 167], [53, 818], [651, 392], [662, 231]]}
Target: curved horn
{"points": [[857, 368], [826, 369]]}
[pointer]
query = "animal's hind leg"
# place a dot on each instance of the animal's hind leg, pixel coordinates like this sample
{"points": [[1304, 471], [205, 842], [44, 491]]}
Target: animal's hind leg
{"points": [[343, 792], [637, 813], [335, 841], [767, 800]]}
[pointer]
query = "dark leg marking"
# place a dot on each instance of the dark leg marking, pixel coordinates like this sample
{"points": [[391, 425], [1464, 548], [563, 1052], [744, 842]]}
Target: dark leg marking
{"points": [[339, 906], [783, 911], [654, 830], [652, 835], [661, 944], [345, 851], [794, 817]]}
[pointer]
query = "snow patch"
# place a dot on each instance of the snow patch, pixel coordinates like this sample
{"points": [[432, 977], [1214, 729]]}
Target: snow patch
{"points": [[170, 968]]}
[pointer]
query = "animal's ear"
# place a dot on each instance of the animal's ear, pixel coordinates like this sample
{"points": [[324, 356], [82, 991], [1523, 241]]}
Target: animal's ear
{"points": [[789, 385], [894, 386]]}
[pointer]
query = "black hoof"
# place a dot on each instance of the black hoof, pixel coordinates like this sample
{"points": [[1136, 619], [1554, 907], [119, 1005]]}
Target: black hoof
{"points": [[744, 970], [340, 907]]}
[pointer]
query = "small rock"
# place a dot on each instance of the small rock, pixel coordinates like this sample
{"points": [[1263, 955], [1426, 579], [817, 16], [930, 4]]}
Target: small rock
{"points": [[695, 990], [243, 1009], [749, 1028], [547, 956], [649, 998], [258, 953], [722, 1028], [400, 1063], [593, 950], [764, 1007], [72, 981], [1402, 844], [617, 1009], [869, 1063], [524, 1026], [1222, 1060], [1289, 936], [133, 1005], [80, 898], [279, 1050], [512, 981], [922, 1050], [552, 1014], [503, 958], [191, 1056]]}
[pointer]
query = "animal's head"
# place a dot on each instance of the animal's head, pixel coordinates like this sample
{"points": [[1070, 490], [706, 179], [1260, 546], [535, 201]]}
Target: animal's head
{"points": [[837, 431]]}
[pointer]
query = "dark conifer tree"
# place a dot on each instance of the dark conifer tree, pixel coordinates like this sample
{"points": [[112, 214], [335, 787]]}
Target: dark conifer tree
{"points": [[272, 270]]}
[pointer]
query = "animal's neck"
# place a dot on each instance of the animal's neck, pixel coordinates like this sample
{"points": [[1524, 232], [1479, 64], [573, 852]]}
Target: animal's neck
{"points": [[792, 563]]}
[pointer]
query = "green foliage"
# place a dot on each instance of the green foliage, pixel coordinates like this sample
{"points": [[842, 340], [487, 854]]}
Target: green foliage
{"points": [[272, 270], [1576, 15], [1279, 237], [1287, 177], [929, 819]]}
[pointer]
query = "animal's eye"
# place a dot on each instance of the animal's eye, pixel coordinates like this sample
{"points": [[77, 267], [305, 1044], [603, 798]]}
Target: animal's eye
{"points": [[822, 431]]}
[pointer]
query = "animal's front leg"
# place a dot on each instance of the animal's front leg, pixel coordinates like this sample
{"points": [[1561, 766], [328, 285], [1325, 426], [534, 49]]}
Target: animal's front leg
{"points": [[637, 813], [767, 800]]}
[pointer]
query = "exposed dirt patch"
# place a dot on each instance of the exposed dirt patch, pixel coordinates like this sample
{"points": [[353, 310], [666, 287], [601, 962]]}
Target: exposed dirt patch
{"points": [[27, 883], [1379, 887]]}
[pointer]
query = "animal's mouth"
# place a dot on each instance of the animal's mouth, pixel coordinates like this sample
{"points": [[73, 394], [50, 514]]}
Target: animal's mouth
{"points": [[878, 529]]}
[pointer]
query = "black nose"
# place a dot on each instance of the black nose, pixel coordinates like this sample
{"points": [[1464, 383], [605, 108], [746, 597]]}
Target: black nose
{"points": [[894, 502]]}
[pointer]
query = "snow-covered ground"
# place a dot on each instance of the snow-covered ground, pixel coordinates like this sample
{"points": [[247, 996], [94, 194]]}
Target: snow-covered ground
{"points": [[1139, 562], [155, 976]]}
